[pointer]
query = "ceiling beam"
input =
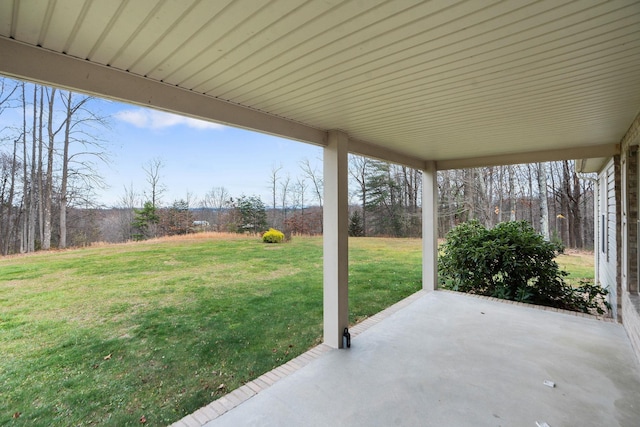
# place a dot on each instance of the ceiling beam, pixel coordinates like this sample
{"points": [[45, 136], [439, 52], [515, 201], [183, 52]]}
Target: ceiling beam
{"points": [[594, 151], [39, 65]]}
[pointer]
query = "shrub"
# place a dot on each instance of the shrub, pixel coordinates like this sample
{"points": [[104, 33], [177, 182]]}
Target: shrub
{"points": [[512, 261], [273, 236]]}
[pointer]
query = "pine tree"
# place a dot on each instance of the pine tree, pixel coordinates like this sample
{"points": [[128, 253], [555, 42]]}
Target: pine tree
{"points": [[143, 219], [355, 225]]}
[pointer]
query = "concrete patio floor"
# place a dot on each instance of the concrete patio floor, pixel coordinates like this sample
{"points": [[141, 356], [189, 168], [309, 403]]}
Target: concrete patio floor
{"points": [[448, 359]]}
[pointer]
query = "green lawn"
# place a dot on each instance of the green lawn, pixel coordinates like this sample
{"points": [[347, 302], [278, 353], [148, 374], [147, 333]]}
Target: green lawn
{"points": [[107, 335], [579, 265]]}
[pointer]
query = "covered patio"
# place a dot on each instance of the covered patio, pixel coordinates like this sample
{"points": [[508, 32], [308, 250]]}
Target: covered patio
{"points": [[429, 85], [450, 359]]}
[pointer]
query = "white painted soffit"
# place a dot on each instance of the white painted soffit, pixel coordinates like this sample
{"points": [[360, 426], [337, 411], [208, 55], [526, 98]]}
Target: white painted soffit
{"points": [[463, 83], [591, 165]]}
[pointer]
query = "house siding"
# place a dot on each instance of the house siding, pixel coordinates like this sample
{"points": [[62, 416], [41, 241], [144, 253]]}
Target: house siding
{"points": [[607, 247]]}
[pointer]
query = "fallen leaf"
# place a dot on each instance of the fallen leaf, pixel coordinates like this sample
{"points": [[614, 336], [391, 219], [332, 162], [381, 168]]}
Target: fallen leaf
{"points": [[143, 419], [107, 357], [17, 415], [96, 366], [221, 387]]}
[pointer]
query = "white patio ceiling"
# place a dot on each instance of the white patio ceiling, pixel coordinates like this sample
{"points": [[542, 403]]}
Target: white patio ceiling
{"points": [[463, 83]]}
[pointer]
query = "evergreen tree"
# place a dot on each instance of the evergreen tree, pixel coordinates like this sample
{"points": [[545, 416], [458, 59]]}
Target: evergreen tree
{"points": [[355, 225], [177, 219], [253, 214], [144, 219]]}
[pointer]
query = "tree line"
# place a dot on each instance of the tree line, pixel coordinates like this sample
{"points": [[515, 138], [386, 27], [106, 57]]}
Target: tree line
{"points": [[385, 201], [48, 153], [551, 196], [50, 144]]}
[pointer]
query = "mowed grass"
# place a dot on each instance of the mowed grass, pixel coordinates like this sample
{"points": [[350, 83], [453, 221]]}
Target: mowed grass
{"points": [[579, 265], [111, 334]]}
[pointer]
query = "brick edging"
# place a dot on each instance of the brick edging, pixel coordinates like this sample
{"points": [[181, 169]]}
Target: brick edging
{"points": [[602, 318], [245, 392]]}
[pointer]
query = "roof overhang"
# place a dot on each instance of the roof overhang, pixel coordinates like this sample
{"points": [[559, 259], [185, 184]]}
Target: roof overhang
{"points": [[593, 165], [462, 84]]}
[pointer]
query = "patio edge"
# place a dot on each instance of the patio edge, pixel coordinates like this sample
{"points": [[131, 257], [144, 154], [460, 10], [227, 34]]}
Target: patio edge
{"points": [[245, 392]]}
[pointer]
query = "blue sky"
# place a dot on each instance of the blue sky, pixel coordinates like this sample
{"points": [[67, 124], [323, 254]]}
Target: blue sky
{"points": [[196, 155]]}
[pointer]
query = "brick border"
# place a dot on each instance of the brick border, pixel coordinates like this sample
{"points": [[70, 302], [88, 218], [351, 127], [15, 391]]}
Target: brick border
{"points": [[602, 318], [245, 392]]}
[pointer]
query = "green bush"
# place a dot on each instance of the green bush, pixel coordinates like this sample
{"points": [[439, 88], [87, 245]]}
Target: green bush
{"points": [[273, 236], [512, 261]]}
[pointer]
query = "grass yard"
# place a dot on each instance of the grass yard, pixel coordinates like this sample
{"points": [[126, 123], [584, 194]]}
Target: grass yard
{"points": [[579, 265], [108, 335], [111, 334]]}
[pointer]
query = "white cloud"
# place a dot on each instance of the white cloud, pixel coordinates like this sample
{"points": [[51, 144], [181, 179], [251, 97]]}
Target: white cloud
{"points": [[154, 119]]}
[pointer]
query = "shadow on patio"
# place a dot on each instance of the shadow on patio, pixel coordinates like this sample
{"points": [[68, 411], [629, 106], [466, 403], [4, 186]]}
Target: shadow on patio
{"points": [[448, 359]]}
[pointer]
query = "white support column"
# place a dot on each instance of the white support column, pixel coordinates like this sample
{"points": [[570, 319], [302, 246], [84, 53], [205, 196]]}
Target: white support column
{"points": [[336, 239], [429, 227]]}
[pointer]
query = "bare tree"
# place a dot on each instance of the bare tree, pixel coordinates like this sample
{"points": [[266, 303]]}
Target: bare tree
{"points": [[359, 170], [298, 223], [8, 213], [78, 172], [40, 191], [152, 170], [575, 215], [273, 183], [447, 207], [24, 236], [512, 195], [284, 195], [62, 242], [8, 165], [52, 132], [217, 199], [33, 190], [129, 200], [564, 194], [300, 190], [315, 177], [7, 91], [544, 206]]}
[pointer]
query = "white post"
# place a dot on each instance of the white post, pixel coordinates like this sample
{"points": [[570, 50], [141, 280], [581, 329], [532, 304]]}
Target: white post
{"points": [[429, 227], [336, 239]]}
